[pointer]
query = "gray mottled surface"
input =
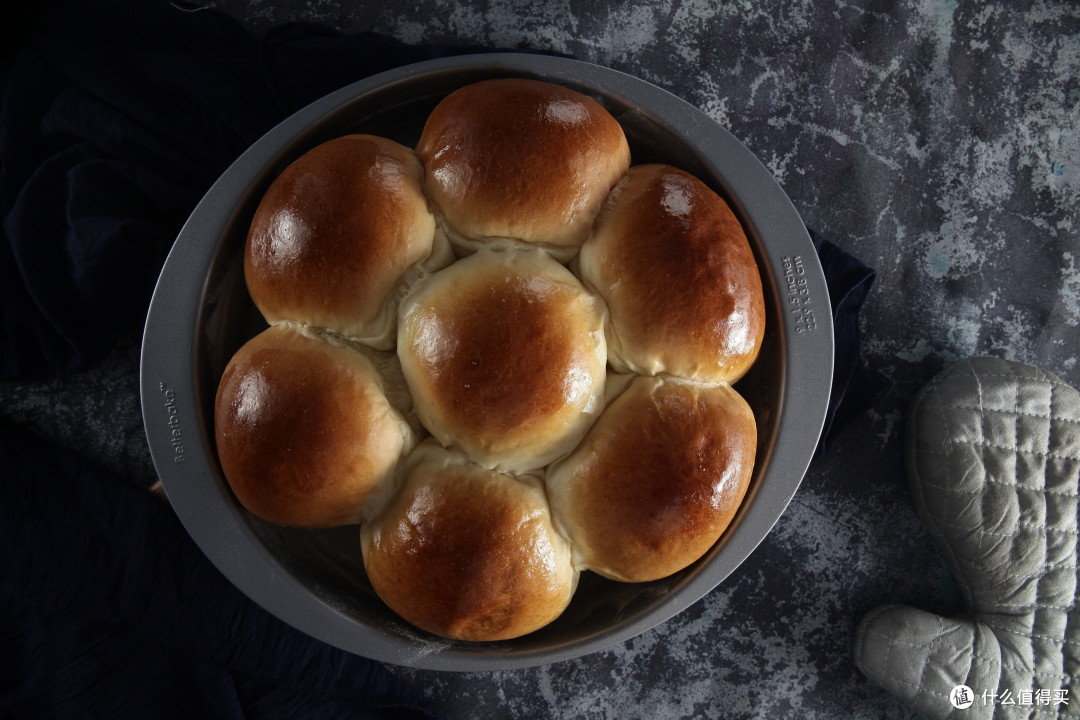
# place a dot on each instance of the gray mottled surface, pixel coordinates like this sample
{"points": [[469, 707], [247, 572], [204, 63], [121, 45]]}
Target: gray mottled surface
{"points": [[937, 140]]}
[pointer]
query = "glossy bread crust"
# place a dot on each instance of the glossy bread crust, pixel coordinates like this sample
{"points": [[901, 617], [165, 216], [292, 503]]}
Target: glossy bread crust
{"points": [[467, 553], [505, 357], [657, 479], [335, 234], [522, 159], [304, 433], [681, 284]]}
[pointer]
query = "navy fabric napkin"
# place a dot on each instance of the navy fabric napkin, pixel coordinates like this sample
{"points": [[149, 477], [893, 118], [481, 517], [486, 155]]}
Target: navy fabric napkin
{"points": [[109, 610], [856, 383], [116, 117]]}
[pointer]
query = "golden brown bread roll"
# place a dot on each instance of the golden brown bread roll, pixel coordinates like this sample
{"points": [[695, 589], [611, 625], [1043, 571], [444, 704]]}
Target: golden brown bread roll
{"points": [[335, 235], [467, 553], [304, 433], [521, 159], [682, 287], [657, 479], [504, 356]]}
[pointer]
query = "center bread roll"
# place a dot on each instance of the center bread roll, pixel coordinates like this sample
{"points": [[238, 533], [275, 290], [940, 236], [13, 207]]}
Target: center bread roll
{"points": [[504, 355], [467, 553]]}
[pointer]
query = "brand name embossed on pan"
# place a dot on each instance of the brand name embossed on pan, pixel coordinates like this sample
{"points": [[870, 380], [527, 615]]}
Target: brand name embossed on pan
{"points": [[176, 437]]}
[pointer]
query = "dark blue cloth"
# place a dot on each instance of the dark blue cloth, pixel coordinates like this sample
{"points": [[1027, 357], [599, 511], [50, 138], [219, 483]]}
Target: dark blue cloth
{"points": [[109, 610], [856, 384], [116, 117]]}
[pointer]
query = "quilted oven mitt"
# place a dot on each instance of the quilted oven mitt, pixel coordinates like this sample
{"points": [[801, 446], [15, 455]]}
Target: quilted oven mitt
{"points": [[993, 455]]}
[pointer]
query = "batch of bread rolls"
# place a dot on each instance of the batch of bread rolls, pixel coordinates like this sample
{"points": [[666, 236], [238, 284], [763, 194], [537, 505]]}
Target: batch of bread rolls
{"points": [[507, 354]]}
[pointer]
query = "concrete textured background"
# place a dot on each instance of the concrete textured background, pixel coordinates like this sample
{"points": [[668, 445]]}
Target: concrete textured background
{"points": [[936, 140]]}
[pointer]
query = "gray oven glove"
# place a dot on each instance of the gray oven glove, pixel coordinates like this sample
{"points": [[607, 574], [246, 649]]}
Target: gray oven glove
{"points": [[993, 455]]}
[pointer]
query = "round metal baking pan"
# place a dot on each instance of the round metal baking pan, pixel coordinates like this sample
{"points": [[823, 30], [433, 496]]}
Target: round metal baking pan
{"points": [[201, 313]]}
